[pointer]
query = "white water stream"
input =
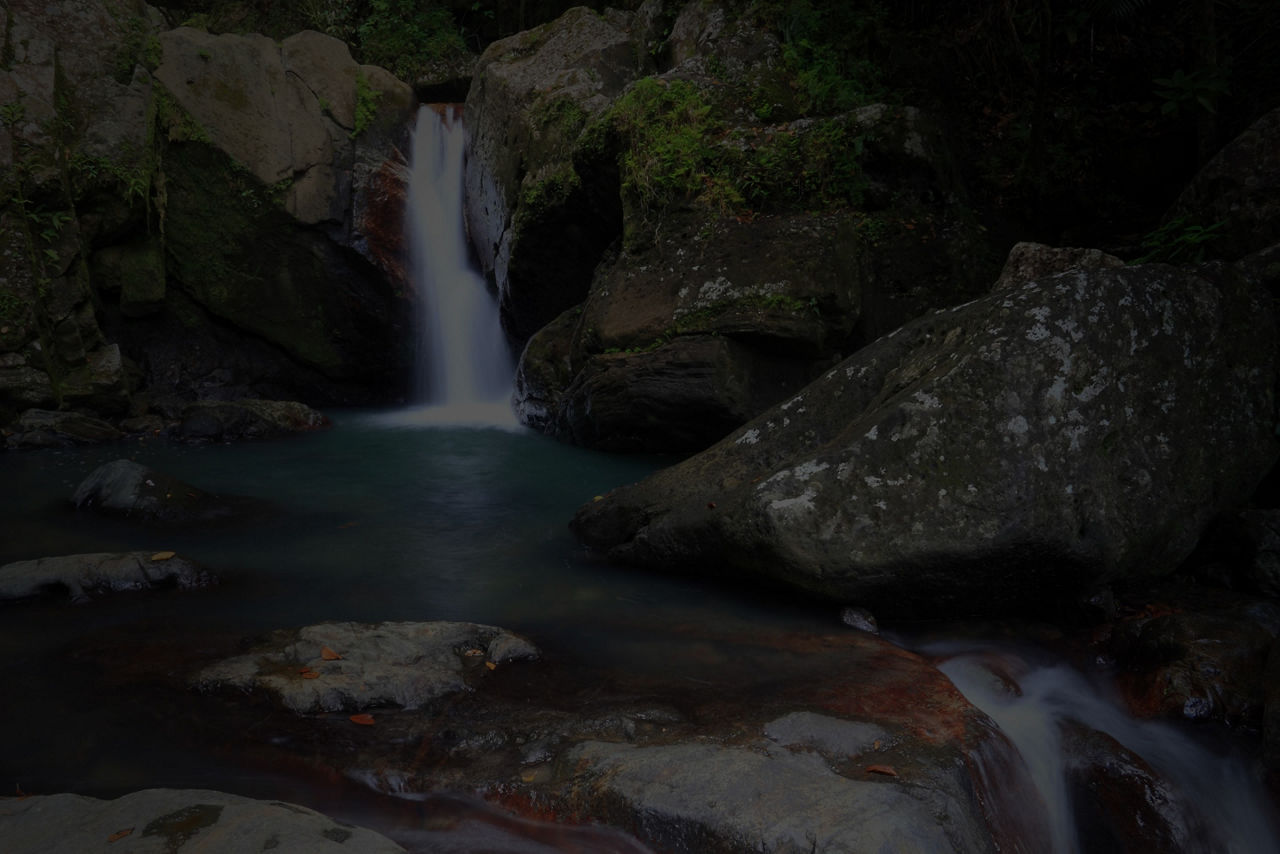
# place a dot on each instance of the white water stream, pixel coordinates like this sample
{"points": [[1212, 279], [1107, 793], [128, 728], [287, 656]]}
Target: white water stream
{"points": [[1212, 802], [464, 368]]}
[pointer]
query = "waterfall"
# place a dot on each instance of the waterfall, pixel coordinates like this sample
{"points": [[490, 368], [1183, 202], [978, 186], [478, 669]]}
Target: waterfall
{"points": [[464, 368]]}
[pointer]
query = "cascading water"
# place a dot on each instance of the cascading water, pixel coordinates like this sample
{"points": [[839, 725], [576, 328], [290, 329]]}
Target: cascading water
{"points": [[1189, 798], [464, 368]]}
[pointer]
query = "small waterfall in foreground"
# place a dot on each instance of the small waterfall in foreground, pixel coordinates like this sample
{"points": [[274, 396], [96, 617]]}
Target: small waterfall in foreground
{"points": [[1089, 769], [464, 368]]}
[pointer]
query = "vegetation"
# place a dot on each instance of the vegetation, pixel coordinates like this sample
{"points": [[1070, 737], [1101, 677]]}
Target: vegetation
{"points": [[366, 105]]}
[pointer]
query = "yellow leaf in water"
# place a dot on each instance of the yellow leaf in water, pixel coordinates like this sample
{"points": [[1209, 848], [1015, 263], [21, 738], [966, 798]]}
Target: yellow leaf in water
{"points": [[163, 555], [328, 654], [120, 834]]}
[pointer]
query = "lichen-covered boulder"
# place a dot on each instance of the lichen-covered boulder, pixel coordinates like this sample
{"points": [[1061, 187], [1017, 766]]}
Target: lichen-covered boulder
{"points": [[1004, 453]]}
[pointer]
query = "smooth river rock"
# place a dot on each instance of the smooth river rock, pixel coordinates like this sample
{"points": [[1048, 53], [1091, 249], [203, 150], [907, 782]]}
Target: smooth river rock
{"points": [[177, 821], [84, 576]]}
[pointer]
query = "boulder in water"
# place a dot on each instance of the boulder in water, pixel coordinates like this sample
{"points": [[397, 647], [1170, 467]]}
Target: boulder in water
{"points": [[1003, 454], [84, 576], [405, 665], [130, 489]]}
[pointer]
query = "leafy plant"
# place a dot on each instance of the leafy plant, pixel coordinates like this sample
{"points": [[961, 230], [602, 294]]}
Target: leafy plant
{"points": [[405, 37], [1178, 241], [1181, 91]]}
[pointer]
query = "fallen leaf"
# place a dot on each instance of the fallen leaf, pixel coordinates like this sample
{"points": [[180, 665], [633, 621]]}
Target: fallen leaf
{"points": [[474, 652], [491, 665], [364, 719], [328, 654], [886, 770], [163, 555], [310, 674], [120, 834]]}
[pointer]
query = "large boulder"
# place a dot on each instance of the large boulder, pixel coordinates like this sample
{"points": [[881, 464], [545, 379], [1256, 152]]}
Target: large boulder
{"points": [[1055, 434], [186, 210], [538, 225], [175, 821]]}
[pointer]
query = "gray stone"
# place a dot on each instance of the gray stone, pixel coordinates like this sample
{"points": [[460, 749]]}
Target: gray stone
{"points": [[707, 797], [833, 737], [130, 489], [85, 576], [400, 664], [173, 821], [1071, 429]]}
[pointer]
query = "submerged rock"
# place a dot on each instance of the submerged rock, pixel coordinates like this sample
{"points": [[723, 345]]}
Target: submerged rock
{"points": [[405, 665], [230, 420], [175, 821], [42, 428], [126, 488], [84, 576], [1025, 446]]}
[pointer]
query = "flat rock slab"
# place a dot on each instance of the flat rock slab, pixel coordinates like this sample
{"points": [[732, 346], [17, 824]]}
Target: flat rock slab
{"points": [[85, 576], [171, 821], [392, 664], [765, 798]]}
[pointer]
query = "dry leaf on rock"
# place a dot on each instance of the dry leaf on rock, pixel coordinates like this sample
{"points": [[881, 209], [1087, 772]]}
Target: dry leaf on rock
{"points": [[120, 834], [328, 654], [364, 719], [163, 555]]}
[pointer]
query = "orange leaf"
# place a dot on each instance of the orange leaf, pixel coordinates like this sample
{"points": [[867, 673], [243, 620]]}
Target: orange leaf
{"points": [[310, 674], [328, 654], [886, 770], [304, 669], [162, 555], [363, 719], [491, 665], [120, 834]]}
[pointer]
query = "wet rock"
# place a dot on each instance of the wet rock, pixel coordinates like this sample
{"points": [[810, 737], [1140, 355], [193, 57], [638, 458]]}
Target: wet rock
{"points": [[710, 798], [1197, 654], [42, 428], [129, 489], [87, 576], [861, 619], [402, 665], [1122, 804], [1262, 572], [231, 420], [1053, 435], [172, 821], [1030, 261], [1271, 711]]}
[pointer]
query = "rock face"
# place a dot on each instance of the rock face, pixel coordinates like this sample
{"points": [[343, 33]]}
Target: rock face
{"points": [[797, 238], [85, 576], [214, 226], [1056, 433], [1237, 193], [177, 820]]}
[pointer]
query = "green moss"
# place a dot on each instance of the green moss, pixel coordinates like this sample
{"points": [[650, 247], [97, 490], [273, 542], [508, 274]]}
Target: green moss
{"points": [[552, 191], [366, 105]]}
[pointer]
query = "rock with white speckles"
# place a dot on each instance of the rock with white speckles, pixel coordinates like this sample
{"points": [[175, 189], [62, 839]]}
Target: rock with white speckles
{"points": [[1000, 455]]}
